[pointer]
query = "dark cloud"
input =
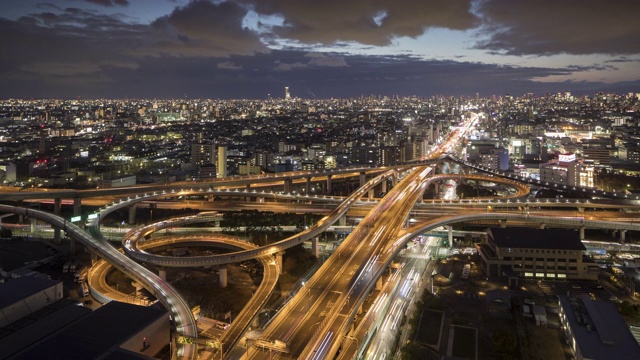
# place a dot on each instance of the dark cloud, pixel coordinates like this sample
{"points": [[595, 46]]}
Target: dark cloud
{"points": [[50, 45], [202, 50], [202, 28], [373, 22], [228, 65], [239, 76], [109, 2], [622, 59], [547, 27], [73, 41]]}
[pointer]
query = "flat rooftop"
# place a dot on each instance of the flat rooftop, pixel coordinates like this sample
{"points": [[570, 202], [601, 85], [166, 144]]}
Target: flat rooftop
{"points": [[22, 287], [98, 335], [554, 239], [22, 333], [599, 330]]}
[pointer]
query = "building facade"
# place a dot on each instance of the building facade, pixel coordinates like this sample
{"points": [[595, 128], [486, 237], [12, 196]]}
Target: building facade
{"points": [[536, 253], [568, 171]]}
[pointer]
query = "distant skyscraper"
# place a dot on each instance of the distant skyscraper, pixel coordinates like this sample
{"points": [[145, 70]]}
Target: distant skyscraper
{"points": [[287, 94], [222, 162]]}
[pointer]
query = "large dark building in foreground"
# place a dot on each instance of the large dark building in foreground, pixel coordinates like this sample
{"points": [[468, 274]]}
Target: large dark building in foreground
{"points": [[37, 323], [536, 253]]}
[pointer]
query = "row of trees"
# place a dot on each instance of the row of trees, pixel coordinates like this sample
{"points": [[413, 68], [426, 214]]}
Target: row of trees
{"points": [[264, 226]]}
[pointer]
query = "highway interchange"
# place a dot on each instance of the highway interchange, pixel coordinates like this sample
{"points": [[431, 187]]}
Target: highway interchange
{"points": [[329, 299]]}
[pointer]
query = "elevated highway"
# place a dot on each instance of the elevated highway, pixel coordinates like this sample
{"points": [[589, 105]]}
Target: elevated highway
{"points": [[406, 235], [270, 276], [577, 190], [345, 279], [163, 291], [360, 269], [267, 180], [334, 333], [238, 256]]}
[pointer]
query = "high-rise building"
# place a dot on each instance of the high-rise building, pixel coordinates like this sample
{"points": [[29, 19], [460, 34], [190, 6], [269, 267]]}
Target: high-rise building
{"points": [[222, 162], [203, 153], [287, 94], [495, 159], [567, 170]]}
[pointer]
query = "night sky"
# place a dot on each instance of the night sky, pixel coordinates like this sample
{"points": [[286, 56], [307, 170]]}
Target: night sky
{"points": [[248, 49]]}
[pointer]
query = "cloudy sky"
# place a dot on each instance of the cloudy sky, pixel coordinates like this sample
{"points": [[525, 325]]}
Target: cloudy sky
{"points": [[319, 48]]}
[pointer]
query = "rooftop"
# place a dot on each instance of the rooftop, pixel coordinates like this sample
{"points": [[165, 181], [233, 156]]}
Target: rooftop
{"points": [[556, 239], [27, 331], [598, 329], [22, 287], [98, 334]]}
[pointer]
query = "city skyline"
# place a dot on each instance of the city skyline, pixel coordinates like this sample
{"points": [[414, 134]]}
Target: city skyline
{"points": [[253, 49]]}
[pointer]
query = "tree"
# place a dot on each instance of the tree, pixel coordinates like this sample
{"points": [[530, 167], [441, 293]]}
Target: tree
{"points": [[504, 342]]}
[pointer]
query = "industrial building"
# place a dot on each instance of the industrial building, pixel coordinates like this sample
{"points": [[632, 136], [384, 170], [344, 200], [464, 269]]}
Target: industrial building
{"points": [[36, 322], [595, 329], [114, 331], [25, 295]]}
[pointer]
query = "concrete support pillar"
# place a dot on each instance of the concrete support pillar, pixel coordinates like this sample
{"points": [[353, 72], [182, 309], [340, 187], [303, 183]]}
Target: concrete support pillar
{"points": [[20, 203], [363, 179], [450, 235], [77, 206], [503, 223], [370, 194], [394, 179], [138, 286], [33, 225], [223, 277], [379, 284], [580, 209], [307, 186], [278, 256], [315, 248], [383, 185], [162, 273], [328, 184], [132, 215], [360, 310], [343, 220], [57, 202], [581, 233], [210, 198], [542, 226], [287, 186], [623, 234]]}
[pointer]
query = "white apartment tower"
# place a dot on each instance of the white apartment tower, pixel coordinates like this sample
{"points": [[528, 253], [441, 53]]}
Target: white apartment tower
{"points": [[222, 162]]}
